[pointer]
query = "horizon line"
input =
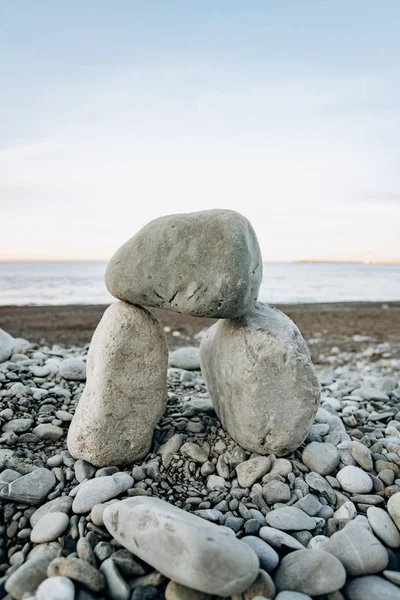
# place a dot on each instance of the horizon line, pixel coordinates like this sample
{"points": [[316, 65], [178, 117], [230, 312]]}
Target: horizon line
{"points": [[289, 261]]}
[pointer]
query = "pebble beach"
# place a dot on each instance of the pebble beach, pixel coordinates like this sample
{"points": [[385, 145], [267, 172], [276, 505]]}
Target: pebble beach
{"points": [[323, 521]]}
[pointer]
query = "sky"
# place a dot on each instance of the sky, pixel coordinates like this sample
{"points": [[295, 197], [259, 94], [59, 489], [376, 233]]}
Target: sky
{"points": [[115, 113]]}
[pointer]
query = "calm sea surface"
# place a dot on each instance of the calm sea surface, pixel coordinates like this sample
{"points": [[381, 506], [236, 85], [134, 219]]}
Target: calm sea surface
{"points": [[23, 283]]}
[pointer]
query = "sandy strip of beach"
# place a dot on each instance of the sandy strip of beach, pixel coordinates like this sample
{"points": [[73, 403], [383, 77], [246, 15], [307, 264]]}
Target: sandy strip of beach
{"points": [[323, 325]]}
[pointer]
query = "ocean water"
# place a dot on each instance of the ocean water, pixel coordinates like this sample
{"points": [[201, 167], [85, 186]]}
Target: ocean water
{"points": [[39, 283]]}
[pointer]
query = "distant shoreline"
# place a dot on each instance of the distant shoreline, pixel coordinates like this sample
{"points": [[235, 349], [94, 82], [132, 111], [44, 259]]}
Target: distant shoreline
{"points": [[287, 262], [367, 263]]}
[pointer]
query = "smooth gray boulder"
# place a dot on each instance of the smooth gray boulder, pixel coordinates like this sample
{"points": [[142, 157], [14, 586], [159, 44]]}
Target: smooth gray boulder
{"points": [[126, 390], [31, 488], [49, 527], [99, 490], [206, 264], [185, 358], [73, 368], [26, 579], [6, 345], [358, 550], [261, 380], [312, 572], [371, 587], [183, 547], [56, 588]]}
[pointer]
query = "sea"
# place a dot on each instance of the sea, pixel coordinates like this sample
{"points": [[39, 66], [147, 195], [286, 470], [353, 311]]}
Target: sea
{"points": [[45, 283]]}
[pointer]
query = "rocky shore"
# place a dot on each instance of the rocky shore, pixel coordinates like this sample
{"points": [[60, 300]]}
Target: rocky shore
{"points": [[323, 521]]}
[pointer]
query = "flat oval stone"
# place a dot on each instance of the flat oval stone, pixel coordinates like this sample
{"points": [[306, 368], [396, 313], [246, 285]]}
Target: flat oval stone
{"points": [[290, 518], [267, 556], [18, 425], [6, 345], [354, 480], [30, 575], [312, 572], [99, 490], [371, 587], [321, 458], [31, 488], [62, 504], [49, 527], [47, 431], [117, 587], [78, 570], [73, 368], [383, 526], [393, 507], [279, 539], [176, 591], [250, 471], [291, 596], [183, 547], [357, 549], [60, 588], [185, 358]]}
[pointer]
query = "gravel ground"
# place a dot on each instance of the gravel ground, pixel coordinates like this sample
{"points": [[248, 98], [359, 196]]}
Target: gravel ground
{"points": [[336, 496]]}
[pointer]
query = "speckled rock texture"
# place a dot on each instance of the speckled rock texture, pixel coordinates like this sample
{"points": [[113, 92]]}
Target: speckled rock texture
{"points": [[205, 263], [126, 390], [261, 380]]}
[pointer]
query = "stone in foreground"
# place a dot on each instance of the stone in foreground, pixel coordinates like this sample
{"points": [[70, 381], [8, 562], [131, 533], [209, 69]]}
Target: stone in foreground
{"points": [[358, 550], [261, 380], [31, 489], [30, 575], [371, 587], [6, 345], [57, 588], [206, 264], [126, 390], [99, 490], [312, 572], [183, 547]]}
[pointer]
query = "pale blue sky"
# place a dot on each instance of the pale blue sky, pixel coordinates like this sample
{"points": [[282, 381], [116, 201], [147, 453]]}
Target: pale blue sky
{"points": [[113, 113]]}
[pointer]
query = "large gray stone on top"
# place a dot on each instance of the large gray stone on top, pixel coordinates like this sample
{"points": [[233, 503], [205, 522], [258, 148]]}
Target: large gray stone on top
{"points": [[126, 389], [6, 345], [182, 546], [261, 380], [31, 488], [205, 263]]}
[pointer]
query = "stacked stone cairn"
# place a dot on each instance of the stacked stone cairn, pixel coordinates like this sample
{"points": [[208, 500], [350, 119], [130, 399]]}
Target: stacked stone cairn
{"points": [[197, 510], [254, 360]]}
